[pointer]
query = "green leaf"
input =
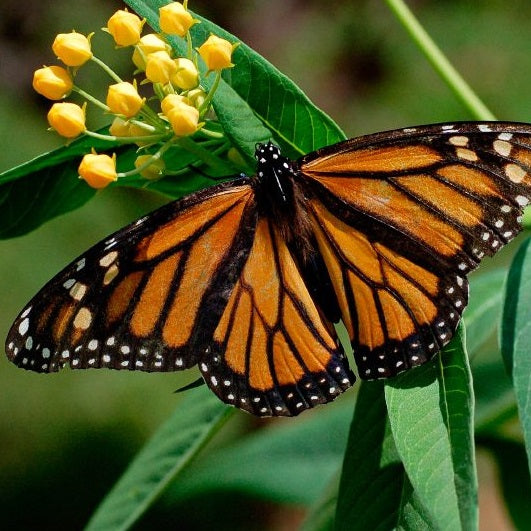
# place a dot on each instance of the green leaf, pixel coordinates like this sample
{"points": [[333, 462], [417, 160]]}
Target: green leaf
{"points": [[290, 462], [484, 309], [431, 416], [495, 399], [515, 483], [175, 444], [48, 185], [371, 481], [516, 335], [272, 99], [413, 515], [43, 188]]}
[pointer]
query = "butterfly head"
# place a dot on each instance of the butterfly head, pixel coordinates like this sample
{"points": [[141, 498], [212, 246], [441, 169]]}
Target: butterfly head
{"points": [[266, 152], [270, 162]]}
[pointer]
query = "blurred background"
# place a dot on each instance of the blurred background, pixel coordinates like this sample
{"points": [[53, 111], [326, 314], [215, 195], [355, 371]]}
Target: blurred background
{"points": [[66, 438]]}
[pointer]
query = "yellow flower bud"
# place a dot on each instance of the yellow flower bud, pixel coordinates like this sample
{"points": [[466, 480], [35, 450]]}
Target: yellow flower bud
{"points": [[160, 67], [72, 48], [171, 101], [123, 98], [216, 53], [196, 97], [119, 127], [183, 119], [53, 82], [187, 76], [148, 44], [68, 119], [175, 19], [154, 171], [125, 28], [98, 170]]}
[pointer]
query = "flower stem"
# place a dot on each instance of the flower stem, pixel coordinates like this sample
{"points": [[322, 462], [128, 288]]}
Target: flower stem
{"points": [[125, 139], [156, 156], [440, 63], [107, 69], [206, 104], [90, 98], [211, 134]]}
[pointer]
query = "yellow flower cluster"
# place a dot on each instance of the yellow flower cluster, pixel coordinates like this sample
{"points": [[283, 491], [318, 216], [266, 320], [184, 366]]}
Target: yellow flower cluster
{"points": [[184, 105]]}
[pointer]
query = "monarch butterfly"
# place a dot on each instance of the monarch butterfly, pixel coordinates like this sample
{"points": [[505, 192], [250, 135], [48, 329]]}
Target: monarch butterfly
{"points": [[246, 278]]}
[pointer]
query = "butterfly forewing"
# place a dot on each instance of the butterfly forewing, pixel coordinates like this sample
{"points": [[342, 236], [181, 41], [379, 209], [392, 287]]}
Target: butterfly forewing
{"points": [[146, 298], [402, 217]]}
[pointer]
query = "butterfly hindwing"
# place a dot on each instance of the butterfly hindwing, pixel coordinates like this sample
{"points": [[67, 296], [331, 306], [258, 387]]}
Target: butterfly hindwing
{"points": [[402, 217], [146, 298], [273, 352]]}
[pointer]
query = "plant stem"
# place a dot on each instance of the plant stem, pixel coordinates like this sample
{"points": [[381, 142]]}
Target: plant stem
{"points": [[439, 62], [126, 139], [154, 157], [205, 105], [107, 69], [90, 98]]}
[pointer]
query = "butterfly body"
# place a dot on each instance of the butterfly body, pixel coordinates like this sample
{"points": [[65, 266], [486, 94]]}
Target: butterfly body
{"points": [[245, 279]]}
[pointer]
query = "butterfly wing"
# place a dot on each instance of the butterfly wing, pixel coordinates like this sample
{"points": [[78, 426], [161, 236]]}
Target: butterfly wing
{"points": [[149, 296], [402, 217], [273, 352]]}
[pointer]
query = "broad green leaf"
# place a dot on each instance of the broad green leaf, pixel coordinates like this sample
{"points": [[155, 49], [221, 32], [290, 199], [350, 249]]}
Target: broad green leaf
{"points": [[290, 462], [516, 335], [514, 479], [43, 188], [272, 98], [412, 514], [371, 481], [175, 444], [48, 185], [431, 417], [484, 309]]}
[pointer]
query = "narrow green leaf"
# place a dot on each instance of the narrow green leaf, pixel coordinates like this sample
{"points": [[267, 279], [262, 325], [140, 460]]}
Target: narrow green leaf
{"points": [[484, 309], [43, 188], [513, 472], [290, 462], [175, 444], [48, 185], [413, 515], [372, 476], [431, 416], [271, 97], [495, 399], [516, 335]]}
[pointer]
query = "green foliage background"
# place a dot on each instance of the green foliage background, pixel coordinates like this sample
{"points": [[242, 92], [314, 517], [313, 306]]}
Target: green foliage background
{"points": [[66, 438]]}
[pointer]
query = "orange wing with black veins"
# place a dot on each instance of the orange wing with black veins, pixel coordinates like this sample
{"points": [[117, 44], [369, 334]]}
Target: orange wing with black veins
{"points": [[402, 217]]}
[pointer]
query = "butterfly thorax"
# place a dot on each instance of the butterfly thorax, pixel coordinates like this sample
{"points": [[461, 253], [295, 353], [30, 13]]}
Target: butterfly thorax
{"points": [[280, 198]]}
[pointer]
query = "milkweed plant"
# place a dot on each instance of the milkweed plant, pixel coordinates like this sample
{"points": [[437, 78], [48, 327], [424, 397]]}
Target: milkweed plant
{"points": [[195, 104]]}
